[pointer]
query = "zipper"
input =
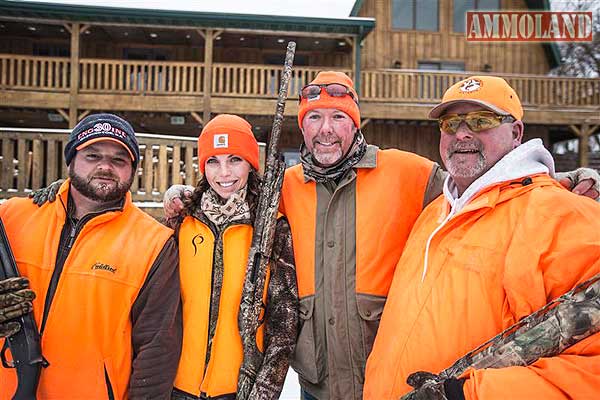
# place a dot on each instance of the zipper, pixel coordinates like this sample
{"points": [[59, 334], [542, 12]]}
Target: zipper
{"points": [[210, 310], [56, 273], [109, 389], [217, 237]]}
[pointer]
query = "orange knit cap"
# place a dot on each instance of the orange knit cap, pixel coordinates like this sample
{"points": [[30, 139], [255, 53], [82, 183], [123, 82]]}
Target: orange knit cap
{"points": [[227, 134], [345, 103]]}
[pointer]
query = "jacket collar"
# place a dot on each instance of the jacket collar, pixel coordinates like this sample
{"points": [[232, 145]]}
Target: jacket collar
{"points": [[60, 205], [369, 160]]}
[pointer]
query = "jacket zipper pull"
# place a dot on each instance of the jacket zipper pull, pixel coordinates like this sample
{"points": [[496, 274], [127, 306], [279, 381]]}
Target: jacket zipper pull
{"points": [[72, 236]]}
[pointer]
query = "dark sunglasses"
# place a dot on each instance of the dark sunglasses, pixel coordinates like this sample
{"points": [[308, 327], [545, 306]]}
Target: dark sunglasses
{"points": [[313, 91], [477, 121]]}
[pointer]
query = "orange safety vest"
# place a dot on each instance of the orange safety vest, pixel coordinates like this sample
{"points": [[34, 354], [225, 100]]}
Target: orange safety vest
{"points": [[196, 251], [389, 198], [88, 331]]}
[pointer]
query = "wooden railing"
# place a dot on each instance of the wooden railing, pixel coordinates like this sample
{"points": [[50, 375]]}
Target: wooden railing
{"points": [[33, 158], [126, 76], [258, 80], [429, 87], [39, 73], [251, 80]]}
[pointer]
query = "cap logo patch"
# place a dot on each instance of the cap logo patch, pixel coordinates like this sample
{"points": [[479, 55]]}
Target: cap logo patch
{"points": [[470, 85], [221, 141], [317, 97], [102, 128]]}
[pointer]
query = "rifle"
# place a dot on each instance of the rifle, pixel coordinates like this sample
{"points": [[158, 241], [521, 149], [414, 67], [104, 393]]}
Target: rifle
{"points": [[25, 344], [548, 332], [249, 318]]}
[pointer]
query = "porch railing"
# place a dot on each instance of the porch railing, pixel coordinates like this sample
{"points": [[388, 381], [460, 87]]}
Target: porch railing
{"points": [[126, 76], [33, 158], [252, 80], [39, 73], [258, 80], [429, 87]]}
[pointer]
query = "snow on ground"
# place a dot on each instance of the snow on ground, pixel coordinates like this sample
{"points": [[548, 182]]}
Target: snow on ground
{"points": [[291, 389]]}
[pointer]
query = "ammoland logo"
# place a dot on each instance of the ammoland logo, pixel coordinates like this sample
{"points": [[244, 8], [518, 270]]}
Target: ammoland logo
{"points": [[529, 26]]}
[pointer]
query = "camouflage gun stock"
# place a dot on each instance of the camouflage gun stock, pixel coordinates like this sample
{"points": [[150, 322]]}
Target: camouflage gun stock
{"points": [[252, 307], [547, 332]]}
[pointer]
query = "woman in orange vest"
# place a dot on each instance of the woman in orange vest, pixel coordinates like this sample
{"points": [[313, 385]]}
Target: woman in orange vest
{"points": [[215, 233]]}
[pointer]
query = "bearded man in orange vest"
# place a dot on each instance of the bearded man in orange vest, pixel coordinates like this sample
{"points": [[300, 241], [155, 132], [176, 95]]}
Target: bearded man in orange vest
{"points": [[351, 207], [502, 241], [104, 275]]}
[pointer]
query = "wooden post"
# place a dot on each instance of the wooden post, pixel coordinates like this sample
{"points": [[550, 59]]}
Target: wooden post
{"points": [[356, 64], [208, 35], [74, 83], [584, 134]]}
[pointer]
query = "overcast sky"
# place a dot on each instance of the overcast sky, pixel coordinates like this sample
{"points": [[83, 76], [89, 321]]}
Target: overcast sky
{"points": [[301, 8]]}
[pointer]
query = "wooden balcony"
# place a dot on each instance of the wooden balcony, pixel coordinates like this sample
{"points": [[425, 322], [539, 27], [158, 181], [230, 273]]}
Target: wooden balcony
{"points": [[250, 89], [33, 158], [409, 94]]}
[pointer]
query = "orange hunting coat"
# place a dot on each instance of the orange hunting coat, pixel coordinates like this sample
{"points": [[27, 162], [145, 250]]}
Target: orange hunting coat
{"points": [[87, 338], [511, 250]]}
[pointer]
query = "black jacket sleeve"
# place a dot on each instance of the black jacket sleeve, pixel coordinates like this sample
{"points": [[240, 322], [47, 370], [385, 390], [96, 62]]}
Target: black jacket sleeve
{"points": [[157, 328]]}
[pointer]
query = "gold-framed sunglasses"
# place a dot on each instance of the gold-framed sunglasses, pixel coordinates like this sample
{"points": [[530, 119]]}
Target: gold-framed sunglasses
{"points": [[477, 121], [312, 91]]}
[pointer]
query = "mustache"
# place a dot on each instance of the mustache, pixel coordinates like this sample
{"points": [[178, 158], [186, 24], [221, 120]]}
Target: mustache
{"points": [[104, 175], [326, 139], [464, 146]]}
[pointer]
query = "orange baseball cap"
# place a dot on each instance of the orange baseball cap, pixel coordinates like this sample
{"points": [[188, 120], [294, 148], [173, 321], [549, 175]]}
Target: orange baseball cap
{"points": [[345, 103], [227, 134], [491, 92]]}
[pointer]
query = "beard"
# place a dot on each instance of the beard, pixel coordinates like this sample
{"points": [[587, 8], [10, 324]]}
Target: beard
{"points": [[101, 192], [461, 168], [327, 157]]}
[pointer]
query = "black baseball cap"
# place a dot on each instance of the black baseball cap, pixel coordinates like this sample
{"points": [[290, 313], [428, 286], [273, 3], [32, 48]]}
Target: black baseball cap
{"points": [[99, 127]]}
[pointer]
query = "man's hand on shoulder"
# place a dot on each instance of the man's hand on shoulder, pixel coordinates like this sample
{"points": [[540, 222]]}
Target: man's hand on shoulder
{"points": [[582, 181], [15, 301], [47, 194]]}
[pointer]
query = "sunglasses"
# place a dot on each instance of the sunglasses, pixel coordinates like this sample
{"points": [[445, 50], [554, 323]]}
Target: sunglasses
{"points": [[477, 121], [313, 91]]}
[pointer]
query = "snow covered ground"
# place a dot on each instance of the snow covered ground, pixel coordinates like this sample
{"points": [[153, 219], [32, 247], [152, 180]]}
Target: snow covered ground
{"points": [[291, 389]]}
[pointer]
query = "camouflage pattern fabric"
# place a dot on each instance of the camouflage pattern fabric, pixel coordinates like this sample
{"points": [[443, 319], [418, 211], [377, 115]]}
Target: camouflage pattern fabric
{"points": [[547, 332], [15, 301]]}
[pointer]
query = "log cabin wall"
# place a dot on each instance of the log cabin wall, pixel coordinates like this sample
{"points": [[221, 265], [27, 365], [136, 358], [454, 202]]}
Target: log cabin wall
{"points": [[386, 45]]}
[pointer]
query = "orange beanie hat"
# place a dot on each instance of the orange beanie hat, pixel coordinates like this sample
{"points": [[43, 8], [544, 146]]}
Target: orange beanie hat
{"points": [[345, 103], [227, 134]]}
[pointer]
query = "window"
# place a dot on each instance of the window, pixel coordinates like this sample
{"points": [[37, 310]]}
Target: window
{"points": [[433, 86], [441, 66], [419, 15], [462, 6], [51, 50]]}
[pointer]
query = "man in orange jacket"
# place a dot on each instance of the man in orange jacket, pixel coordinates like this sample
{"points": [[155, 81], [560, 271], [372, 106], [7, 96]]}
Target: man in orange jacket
{"points": [[502, 241], [103, 273]]}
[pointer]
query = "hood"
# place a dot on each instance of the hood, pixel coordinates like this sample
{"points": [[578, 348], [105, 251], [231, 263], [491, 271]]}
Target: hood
{"points": [[530, 158]]}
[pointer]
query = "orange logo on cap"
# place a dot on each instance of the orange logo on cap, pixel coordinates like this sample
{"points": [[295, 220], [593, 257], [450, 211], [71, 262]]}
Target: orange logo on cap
{"points": [[221, 141], [470, 85]]}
